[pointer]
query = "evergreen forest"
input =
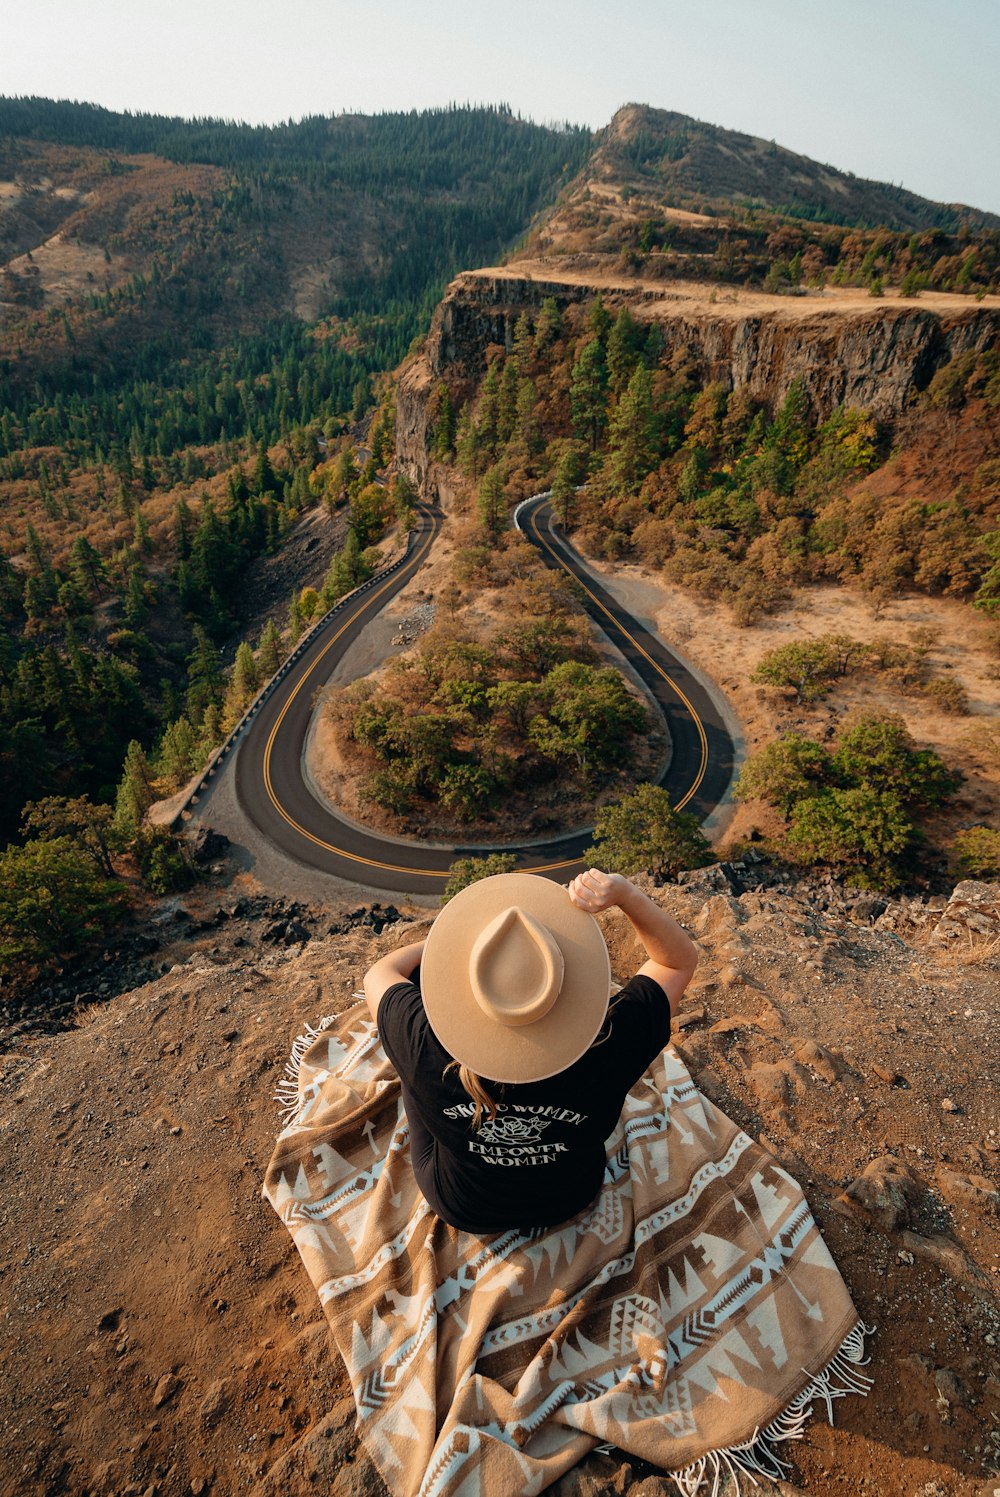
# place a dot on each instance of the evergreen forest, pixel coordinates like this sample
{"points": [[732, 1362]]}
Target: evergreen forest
{"points": [[200, 320], [170, 405]]}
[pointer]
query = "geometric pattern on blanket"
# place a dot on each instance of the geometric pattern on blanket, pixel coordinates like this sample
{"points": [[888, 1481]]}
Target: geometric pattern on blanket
{"points": [[689, 1317]]}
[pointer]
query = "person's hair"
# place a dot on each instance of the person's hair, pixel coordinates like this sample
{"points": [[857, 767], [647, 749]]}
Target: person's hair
{"points": [[473, 1084], [604, 1033]]}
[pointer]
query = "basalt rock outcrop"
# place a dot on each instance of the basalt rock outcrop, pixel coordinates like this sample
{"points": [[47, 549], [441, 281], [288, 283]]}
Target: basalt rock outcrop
{"points": [[159, 1334], [875, 358]]}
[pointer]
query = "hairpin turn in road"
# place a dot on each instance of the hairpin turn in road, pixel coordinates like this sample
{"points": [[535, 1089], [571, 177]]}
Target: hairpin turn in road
{"points": [[276, 798]]}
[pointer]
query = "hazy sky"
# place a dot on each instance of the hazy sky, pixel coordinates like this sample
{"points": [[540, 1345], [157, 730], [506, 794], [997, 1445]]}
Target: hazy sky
{"points": [[900, 90]]}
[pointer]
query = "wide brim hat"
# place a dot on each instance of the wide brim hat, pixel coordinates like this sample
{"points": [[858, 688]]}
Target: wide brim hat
{"points": [[515, 979]]}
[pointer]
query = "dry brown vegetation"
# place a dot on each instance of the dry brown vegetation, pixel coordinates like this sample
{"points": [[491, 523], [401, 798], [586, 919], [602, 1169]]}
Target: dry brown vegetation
{"points": [[497, 614]]}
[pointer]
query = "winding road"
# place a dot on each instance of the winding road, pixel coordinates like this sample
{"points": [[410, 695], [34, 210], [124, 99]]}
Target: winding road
{"points": [[275, 797]]}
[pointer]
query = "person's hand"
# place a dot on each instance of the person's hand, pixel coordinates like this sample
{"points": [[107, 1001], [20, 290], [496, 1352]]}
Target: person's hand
{"points": [[594, 891]]}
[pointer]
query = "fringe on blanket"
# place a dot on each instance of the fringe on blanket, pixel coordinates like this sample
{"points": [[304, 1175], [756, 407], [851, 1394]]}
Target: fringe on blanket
{"points": [[287, 1091], [741, 1464], [758, 1457]]}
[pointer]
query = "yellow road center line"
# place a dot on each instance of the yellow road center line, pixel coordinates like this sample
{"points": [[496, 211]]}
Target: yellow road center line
{"points": [[433, 872], [318, 841], [703, 762]]}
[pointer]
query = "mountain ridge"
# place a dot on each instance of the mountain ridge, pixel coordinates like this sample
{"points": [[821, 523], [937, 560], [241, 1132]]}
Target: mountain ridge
{"points": [[661, 142]]}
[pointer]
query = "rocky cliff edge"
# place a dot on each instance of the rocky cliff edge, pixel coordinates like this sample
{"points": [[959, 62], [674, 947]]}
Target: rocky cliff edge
{"points": [[843, 347], [160, 1337]]}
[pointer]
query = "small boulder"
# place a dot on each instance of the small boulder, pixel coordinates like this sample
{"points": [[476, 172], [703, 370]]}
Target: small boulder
{"points": [[215, 1404], [774, 1085], [687, 1017], [890, 1077], [886, 1192], [731, 1023], [168, 1385], [208, 846], [818, 1059], [968, 1190]]}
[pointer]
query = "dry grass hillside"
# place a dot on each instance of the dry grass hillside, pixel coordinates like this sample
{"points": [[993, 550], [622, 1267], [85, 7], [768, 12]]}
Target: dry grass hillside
{"points": [[159, 1335], [688, 159]]}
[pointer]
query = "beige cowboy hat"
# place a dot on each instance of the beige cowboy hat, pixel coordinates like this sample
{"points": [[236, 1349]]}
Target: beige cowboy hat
{"points": [[515, 979]]}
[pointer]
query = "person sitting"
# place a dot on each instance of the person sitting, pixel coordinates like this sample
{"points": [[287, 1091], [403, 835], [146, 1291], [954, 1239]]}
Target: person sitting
{"points": [[513, 1055]]}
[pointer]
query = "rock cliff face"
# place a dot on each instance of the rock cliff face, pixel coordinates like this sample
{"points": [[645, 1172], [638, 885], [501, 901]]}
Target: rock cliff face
{"points": [[874, 357]]}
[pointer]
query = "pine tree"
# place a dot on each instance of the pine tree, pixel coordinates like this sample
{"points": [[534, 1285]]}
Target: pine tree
{"points": [[491, 503], [141, 539], [528, 434], [265, 480], [507, 402], [588, 393], [623, 350], [269, 651], [521, 350], [178, 757], [548, 327], [86, 567], [205, 682], [36, 553], [294, 618], [444, 425], [242, 687], [632, 437], [599, 318], [466, 441], [136, 608], [564, 485], [134, 796], [183, 524]]}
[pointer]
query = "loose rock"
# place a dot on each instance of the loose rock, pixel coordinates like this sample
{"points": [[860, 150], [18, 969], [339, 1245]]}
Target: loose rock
{"points": [[968, 1190], [215, 1404], [886, 1192], [818, 1059], [165, 1389]]}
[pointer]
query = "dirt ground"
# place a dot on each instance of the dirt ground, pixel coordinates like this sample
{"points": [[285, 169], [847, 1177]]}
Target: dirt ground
{"points": [[158, 1336], [962, 645], [724, 301]]}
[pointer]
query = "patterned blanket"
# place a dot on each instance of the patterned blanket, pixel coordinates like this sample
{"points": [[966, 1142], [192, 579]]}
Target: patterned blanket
{"points": [[690, 1317]]}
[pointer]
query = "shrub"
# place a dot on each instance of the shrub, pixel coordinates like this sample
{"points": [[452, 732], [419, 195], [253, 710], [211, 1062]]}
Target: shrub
{"points": [[392, 789], [162, 861], [466, 789], [850, 807], [862, 830], [879, 754], [643, 833], [53, 900], [947, 695], [784, 772], [807, 666], [975, 853], [470, 870]]}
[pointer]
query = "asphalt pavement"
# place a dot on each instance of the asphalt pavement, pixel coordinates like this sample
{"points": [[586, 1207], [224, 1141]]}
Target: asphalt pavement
{"points": [[277, 801]]}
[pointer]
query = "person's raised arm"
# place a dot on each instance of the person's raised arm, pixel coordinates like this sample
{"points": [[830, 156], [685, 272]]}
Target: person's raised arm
{"points": [[672, 955], [396, 966]]}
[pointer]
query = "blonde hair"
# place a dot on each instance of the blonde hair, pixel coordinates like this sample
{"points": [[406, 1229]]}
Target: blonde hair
{"points": [[473, 1086]]}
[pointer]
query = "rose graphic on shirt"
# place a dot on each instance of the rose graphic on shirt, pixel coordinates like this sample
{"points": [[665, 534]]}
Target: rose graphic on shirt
{"points": [[512, 1131]]}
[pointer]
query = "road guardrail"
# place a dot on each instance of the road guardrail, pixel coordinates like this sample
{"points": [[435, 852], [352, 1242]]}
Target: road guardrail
{"points": [[222, 753]]}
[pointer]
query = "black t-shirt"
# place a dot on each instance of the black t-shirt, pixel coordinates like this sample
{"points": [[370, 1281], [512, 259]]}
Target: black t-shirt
{"points": [[541, 1159]]}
